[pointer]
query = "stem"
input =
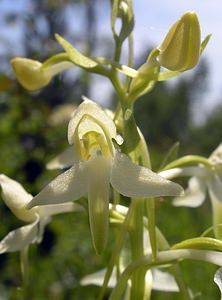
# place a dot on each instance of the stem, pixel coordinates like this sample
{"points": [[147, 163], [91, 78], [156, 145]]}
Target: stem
{"points": [[137, 249], [184, 291], [25, 272], [118, 49], [131, 50], [130, 57], [163, 258], [150, 210], [117, 248]]}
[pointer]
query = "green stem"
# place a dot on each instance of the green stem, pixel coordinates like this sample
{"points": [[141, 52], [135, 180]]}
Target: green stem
{"points": [[117, 248], [25, 272], [163, 258], [184, 292], [175, 269], [118, 49], [137, 249], [131, 50], [150, 211]]}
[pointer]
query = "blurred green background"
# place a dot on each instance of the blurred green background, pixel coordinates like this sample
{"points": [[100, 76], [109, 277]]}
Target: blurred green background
{"points": [[33, 129]]}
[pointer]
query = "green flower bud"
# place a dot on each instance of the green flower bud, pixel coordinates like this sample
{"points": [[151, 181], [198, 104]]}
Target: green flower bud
{"points": [[29, 73], [180, 49], [33, 75]]}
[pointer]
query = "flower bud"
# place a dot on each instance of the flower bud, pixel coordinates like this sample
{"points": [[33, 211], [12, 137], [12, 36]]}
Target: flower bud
{"points": [[29, 73], [180, 49], [33, 75]]}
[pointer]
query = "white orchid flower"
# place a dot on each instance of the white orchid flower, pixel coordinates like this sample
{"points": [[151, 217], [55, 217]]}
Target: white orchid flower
{"points": [[16, 198], [155, 278], [203, 179], [96, 164]]}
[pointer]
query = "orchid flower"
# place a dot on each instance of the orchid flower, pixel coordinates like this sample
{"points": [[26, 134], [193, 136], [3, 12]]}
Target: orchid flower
{"points": [[155, 278], [204, 178], [96, 163], [16, 198]]}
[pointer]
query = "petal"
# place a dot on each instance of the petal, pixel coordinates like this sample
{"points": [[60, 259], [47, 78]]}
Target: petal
{"points": [[217, 210], [132, 180], [50, 210], [70, 185], [64, 160], [98, 200], [18, 239], [194, 195], [119, 208], [90, 108], [97, 278], [218, 280], [163, 281], [186, 171], [16, 198]]}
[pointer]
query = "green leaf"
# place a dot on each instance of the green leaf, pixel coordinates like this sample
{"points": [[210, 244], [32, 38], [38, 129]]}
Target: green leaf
{"points": [[204, 43], [75, 56]]}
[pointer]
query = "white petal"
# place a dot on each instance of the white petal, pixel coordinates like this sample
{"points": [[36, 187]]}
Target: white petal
{"points": [[50, 210], [97, 278], [90, 108], [186, 171], [119, 208], [213, 257], [70, 185], [163, 281], [132, 180], [218, 280], [64, 160], [148, 284], [98, 200], [16, 198], [194, 195], [20, 238]]}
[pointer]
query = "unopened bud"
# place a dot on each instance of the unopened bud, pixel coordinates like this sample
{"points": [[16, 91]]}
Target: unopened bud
{"points": [[29, 73], [32, 75], [180, 49]]}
